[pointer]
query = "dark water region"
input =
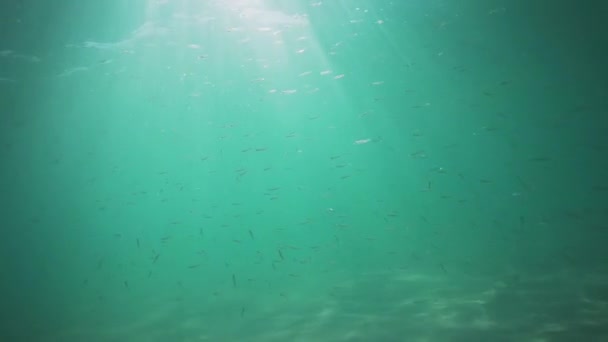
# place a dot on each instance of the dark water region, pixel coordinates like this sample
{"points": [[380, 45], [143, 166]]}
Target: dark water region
{"points": [[255, 170]]}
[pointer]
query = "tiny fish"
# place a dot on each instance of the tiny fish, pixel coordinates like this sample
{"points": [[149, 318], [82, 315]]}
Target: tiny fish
{"points": [[362, 141]]}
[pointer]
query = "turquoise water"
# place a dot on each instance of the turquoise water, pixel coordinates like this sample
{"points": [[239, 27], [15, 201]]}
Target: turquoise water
{"points": [[253, 170]]}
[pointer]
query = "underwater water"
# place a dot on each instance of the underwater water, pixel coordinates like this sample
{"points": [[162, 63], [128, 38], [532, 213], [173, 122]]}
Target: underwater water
{"points": [[256, 170]]}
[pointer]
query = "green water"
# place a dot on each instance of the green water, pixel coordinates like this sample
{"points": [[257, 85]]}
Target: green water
{"points": [[254, 170]]}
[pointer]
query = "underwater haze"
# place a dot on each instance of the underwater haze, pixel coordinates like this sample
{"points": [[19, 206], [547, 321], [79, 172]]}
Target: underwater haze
{"points": [[303, 171]]}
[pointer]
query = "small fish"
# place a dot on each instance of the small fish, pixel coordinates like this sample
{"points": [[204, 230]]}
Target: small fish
{"points": [[281, 254], [418, 154], [137, 242], [251, 234], [234, 280], [362, 141]]}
